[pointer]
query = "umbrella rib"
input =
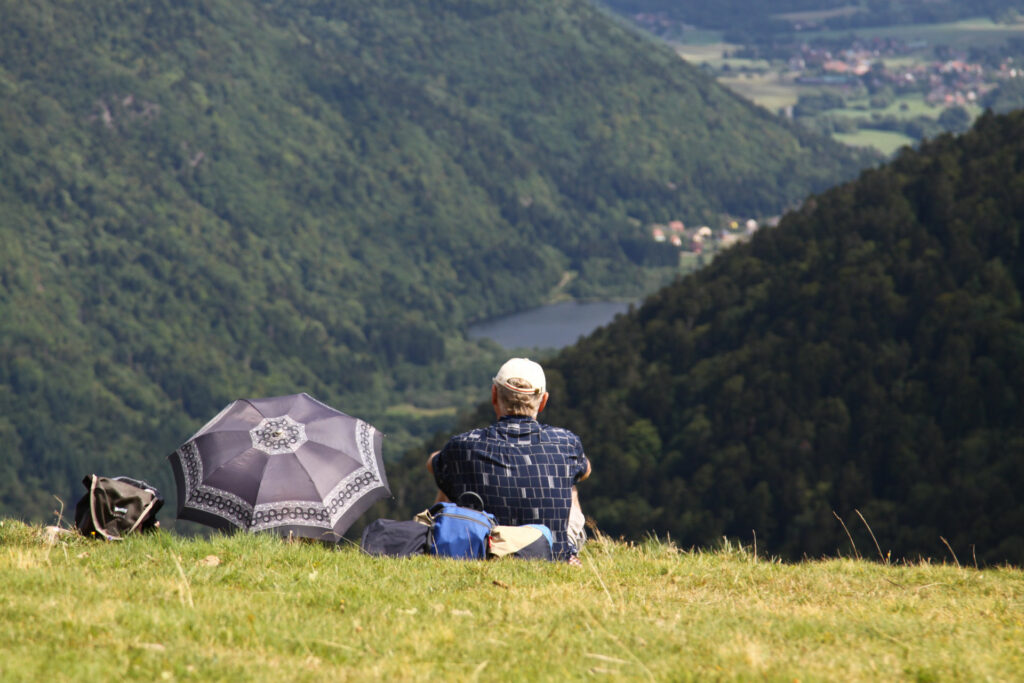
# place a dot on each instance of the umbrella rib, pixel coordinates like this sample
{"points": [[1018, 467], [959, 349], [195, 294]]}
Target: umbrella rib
{"points": [[315, 504], [207, 474], [304, 471]]}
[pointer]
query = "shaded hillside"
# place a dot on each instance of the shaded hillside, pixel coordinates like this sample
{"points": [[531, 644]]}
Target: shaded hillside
{"points": [[866, 355], [208, 199]]}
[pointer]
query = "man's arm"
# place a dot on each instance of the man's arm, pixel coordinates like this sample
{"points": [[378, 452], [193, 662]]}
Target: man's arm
{"points": [[441, 497], [586, 473]]}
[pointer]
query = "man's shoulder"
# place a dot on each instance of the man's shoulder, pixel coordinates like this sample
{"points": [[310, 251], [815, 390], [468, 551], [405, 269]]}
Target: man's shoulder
{"points": [[468, 437], [559, 434], [553, 429]]}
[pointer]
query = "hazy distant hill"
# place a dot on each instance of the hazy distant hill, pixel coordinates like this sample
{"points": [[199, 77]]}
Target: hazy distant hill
{"points": [[743, 20], [867, 354], [208, 199]]}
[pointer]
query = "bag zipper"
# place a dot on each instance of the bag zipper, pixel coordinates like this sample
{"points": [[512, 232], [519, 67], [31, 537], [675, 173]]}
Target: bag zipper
{"points": [[489, 525]]}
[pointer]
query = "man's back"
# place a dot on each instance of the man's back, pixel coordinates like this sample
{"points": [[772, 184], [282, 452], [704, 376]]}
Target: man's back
{"points": [[523, 471]]}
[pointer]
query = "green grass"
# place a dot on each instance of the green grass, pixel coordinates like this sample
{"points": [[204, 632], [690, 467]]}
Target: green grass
{"points": [[157, 608], [712, 54], [770, 90], [915, 106], [819, 15], [410, 410], [957, 35], [703, 53], [700, 36], [886, 142]]}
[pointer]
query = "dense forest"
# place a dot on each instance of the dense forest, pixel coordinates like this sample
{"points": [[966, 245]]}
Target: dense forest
{"points": [[202, 200], [867, 355]]}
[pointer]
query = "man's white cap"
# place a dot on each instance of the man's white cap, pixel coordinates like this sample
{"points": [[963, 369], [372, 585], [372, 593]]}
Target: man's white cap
{"points": [[522, 369]]}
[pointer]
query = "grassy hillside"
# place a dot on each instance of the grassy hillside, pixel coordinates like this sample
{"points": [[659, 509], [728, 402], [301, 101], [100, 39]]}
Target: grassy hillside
{"points": [[257, 608], [207, 200]]}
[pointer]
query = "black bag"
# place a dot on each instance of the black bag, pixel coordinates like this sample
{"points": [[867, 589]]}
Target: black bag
{"points": [[116, 506], [462, 531], [395, 538]]}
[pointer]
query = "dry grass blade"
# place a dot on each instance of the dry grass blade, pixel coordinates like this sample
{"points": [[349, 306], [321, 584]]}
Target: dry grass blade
{"points": [[59, 513], [185, 590], [885, 560], [950, 550], [854, 545], [606, 658], [478, 670], [622, 646], [928, 585], [593, 566]]}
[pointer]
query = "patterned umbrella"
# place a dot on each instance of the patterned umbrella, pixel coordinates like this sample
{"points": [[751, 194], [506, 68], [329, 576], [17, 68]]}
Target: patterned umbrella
{"points": [[290, 464]]}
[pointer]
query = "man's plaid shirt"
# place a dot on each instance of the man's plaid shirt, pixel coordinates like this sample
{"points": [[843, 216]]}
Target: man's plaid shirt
{"points": [[524, 472]]}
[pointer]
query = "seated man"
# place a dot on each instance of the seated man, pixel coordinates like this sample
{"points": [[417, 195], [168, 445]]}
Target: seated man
{"points": [[524, 471]]}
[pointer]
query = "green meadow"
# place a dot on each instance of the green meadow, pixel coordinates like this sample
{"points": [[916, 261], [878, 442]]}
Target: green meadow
{"points": [[410, 410], [887, 142], [774, 86], [904, 106], [956, 34], [718, 54], [243, 607], [819, 15], [771, 90]]}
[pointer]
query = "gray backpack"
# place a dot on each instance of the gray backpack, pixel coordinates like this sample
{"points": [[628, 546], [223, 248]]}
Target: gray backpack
{"points": [[116, 506]]}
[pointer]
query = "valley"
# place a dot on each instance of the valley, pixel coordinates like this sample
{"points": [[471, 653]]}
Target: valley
{"points": [[186, 219], [205, 201], [878, 86]]}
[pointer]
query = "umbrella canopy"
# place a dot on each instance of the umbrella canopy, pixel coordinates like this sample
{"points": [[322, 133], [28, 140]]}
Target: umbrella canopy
{"points": [[290, 464]]}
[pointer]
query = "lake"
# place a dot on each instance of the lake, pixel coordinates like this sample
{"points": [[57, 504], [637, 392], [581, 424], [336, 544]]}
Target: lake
{"points": [[551, 326]]}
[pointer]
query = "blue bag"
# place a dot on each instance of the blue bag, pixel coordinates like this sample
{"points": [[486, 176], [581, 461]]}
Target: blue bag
{"points": [[459, 531]]}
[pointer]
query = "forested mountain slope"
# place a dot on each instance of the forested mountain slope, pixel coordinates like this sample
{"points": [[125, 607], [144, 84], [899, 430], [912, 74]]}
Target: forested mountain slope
{"points": [[207, 199], [867, 354]]}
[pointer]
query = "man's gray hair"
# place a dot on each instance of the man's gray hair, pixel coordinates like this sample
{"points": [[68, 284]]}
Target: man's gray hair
{"points": [[517, 403]]}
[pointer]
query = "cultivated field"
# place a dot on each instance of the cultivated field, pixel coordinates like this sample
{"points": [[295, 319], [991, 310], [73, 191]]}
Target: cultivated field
{"points": [[775, 87], [771, 90], [244, 608], [884, 141], [957, 35], [819, 15]]}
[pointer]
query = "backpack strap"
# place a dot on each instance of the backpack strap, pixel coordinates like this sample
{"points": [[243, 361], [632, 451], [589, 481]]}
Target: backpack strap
{"points": [[142, 515], [471, 500], [92, 511]]}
